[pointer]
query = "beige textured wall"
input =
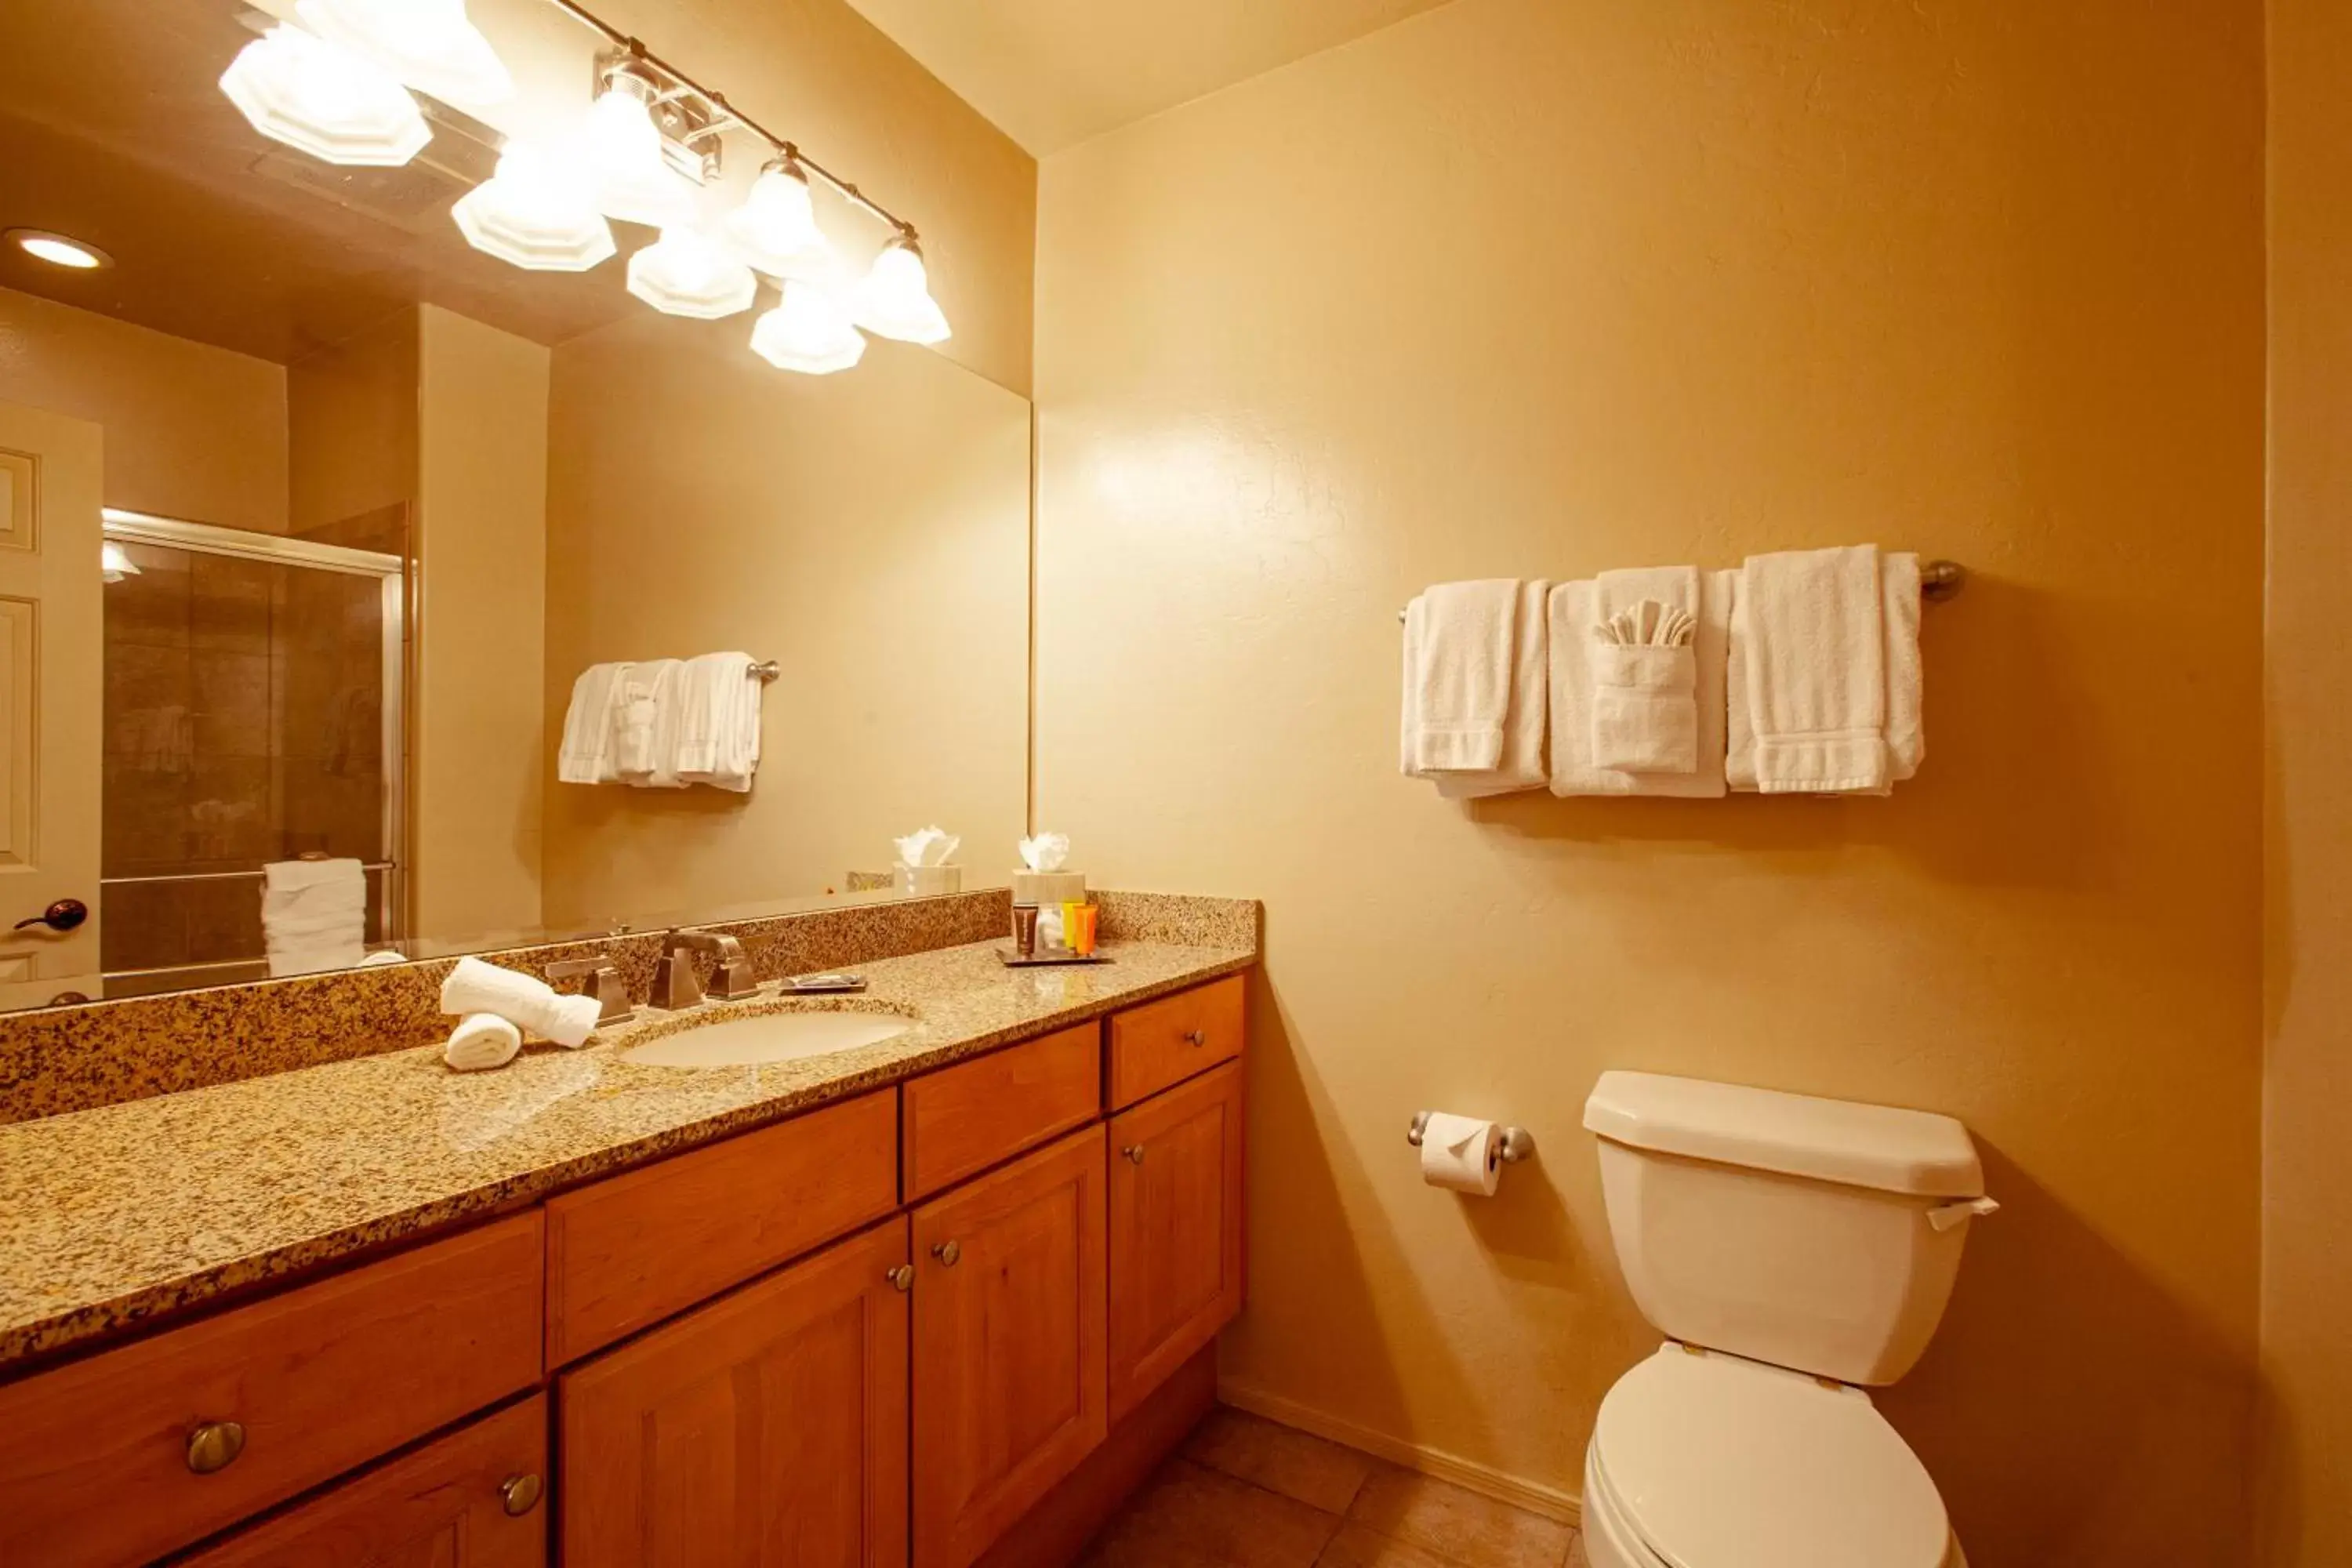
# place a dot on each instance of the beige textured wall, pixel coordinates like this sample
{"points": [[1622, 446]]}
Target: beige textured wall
{"points": [[1519, 288], [480, 730], [192, 431], [354, 411], [869, 531], [2307, 1156]]}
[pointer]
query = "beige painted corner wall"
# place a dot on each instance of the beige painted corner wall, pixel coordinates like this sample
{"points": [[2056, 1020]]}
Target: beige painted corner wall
{"points": [[1519, 288], [192, 431], [2307, 1154], [867, 531], [354, 412], [481, 728]]}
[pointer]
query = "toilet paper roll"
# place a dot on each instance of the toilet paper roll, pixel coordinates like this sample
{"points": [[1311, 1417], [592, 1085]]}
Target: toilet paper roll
{"points": [[1460, 1154]]}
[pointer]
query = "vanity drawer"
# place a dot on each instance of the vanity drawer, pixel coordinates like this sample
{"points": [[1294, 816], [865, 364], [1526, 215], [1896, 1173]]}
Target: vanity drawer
{"points": [[632, 1250], [97, 1458], [1167, 1041], [964, 1119]]}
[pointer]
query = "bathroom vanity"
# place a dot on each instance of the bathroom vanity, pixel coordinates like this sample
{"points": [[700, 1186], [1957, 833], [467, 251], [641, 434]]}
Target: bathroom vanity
{"points": [[903, 1304]]}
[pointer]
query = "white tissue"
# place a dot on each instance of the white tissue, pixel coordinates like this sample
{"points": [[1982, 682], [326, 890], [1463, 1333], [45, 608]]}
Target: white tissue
{"points": [[475, 986], [481, 1041], [1459, 1152], [1046, 852], [928, 847]]}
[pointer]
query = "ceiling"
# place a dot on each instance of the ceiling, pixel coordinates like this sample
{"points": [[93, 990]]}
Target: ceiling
{"points": [[1052, 73]]}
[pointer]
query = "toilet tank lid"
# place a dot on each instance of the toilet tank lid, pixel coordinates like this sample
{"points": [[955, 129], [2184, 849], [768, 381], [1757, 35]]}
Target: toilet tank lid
{"points": [[1841, 1141]]}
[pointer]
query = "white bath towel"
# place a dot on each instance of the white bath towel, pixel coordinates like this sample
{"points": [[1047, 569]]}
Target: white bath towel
{"points": [[586, 754], [646, 712], [1856, 600], [719, 724], [475, 986], [1519, 755], [1574, 609], [481, 1041], [1459, 643], [313, 915]]}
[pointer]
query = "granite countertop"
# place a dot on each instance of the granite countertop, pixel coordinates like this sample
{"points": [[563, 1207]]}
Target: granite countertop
{"points": [[111, 1216]]}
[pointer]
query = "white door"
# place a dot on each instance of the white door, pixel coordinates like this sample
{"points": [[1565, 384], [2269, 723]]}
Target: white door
{"points": [[52, 694]]}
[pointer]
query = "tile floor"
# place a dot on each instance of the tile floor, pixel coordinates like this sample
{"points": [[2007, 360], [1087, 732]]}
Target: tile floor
{"points": [[1243, 1492]]}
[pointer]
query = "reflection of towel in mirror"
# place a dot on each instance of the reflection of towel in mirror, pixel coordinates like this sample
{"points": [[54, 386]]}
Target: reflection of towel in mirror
{"points": [[313, 915], [646, 710], [586, 756], [718, 721]]}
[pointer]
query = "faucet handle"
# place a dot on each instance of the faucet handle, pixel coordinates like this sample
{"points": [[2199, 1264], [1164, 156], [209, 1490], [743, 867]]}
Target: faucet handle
{"points": [[604, 983]]}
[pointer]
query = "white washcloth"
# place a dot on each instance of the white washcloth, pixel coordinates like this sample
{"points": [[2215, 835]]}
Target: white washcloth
{"points": [[1645, 689], [481, 1041], [646, 711], [313, 915], [1574, 609], [586, 756], [1826, 681], [1519, 759], [1459, 643], [475, 986], [718, 722]]}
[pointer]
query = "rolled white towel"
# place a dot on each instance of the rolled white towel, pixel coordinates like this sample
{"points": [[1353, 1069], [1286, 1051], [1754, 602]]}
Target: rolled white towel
{"points": [[475, 986], [481, 1041]]}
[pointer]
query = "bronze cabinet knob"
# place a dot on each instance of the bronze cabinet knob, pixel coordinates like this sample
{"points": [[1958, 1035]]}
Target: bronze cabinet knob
{"points": [[520, 1494], [1196, 1037], [947, 1252], [902, 1277], [215, 1446], [1134, 1153]]}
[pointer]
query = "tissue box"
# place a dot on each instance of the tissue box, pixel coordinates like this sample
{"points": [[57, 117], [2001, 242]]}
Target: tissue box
{"points": [[1049, 887], [930, 880]]}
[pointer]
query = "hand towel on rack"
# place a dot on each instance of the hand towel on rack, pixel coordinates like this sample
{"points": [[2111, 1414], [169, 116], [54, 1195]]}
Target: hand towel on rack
{"points": [[718, 726], [1836, 634], [647, 711], [586, 756], [1459, 643], [1574, 609], [1519, 755], [1646, 688], [313, 915]]}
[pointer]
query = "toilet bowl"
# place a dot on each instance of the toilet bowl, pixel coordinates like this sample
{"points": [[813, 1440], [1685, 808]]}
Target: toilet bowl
{"points": [[1705, 1460]]}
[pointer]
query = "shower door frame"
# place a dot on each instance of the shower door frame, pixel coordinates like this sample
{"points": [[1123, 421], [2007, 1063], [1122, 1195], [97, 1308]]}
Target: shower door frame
{"points": [[392, 573]]}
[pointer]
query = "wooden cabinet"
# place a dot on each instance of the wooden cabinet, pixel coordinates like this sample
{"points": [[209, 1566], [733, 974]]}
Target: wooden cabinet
{"points": [[964, 1119], [1176, 1230], [471, 1500], [767, 1427], [139, 1451], [1165, 1042], [1010, 1353]]}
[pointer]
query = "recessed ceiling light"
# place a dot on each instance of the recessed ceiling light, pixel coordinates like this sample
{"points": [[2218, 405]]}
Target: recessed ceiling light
{"points": [[60, 251]]}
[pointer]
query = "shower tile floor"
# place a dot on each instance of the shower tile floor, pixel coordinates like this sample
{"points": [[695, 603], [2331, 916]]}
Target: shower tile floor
{"points": [[1243, 1492]]}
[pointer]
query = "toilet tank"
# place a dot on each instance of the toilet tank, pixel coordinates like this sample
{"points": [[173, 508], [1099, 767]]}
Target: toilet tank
{"points": [[1818, 1235]]}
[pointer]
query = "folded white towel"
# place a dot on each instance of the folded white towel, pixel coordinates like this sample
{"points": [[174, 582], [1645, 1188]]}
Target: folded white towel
{"points": [[1459, 639], [586, 756], [290, 876], [718, 724], [646, 713], [1519, 756], [1575, 609], [1644, 690], [1836, 633], [313, 915], [475, 986], [313, 957], [481, 1041]]}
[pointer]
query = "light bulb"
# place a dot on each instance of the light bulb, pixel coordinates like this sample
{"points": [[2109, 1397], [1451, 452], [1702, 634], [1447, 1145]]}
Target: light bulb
{"points": [[324, 99], [775, 229], [687, 274], [895, 299], [538, 211], [429, 44], [114, 562], [60, 251], [633, 182], [807, 332]]}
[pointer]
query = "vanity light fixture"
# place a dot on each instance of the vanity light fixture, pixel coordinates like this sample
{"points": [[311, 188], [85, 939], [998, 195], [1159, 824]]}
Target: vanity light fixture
{"points": [[114, 562], [296, 87], [538, 211], [60, 250], [775, 229], [687, 273], [431, 44], [634, 181], [895, 297], [808, 331]]}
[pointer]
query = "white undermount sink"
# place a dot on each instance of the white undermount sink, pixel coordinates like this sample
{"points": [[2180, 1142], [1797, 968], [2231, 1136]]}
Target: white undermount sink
{"points": [[767, 1037]]}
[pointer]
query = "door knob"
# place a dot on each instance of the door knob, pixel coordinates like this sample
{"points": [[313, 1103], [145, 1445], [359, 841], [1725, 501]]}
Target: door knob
{"points": [[215, 1446], [947, 1252], [1134, 1153], [902, 1277], [520, 1494], [63, 915]]}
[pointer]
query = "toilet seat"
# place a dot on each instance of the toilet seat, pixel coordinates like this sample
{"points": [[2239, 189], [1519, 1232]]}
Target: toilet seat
{"points": [[1705, 1460]]}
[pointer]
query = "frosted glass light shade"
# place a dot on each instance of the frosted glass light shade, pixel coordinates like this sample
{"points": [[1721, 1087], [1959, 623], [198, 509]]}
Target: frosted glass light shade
{"points": [[895, 297], [807, 332], [538, 211], [431, 44], [633, 182], [114, 562], [775, 229], [686, 274], [325, 100]]}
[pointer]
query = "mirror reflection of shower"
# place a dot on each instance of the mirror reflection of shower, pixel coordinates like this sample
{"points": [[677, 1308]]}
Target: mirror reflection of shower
{"points": [[254, 717]]}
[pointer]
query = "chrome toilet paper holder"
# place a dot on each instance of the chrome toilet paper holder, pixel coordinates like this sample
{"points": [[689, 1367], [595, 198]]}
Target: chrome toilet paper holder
{"points": [[1515, 1144]]}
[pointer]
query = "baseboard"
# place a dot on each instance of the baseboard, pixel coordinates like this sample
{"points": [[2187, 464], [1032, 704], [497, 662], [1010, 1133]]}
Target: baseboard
{"points": [[1552, 1502]]}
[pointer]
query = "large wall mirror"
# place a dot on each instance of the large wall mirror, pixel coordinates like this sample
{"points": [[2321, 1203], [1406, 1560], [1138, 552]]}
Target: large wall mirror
{"points": [[312, 515]]}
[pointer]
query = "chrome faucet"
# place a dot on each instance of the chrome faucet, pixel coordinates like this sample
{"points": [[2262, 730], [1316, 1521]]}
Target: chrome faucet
{"points": [[675, 984], [604, 983]]}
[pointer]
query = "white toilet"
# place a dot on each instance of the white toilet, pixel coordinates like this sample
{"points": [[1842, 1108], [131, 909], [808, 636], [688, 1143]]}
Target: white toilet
{"points": [[1791, 1250]]}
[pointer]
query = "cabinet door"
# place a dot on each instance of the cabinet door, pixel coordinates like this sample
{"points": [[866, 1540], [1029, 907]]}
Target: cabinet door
{"points": [[467, 1500], [1175, 1229], [1009, 1350], [769, 1427]]}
